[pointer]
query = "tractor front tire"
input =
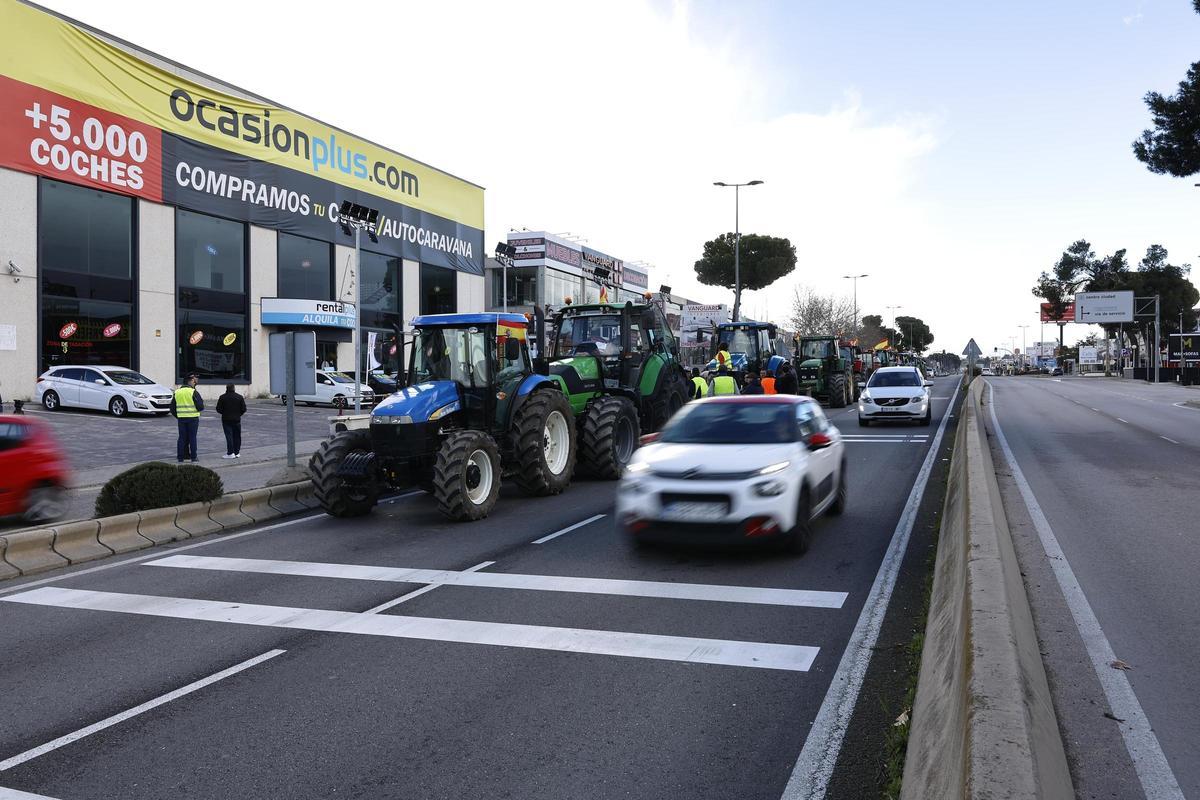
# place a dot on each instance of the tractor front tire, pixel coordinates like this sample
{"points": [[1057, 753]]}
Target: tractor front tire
{"points": [[543, 443], [837, 391], [336, 497], [466, 476], [609, 434]]}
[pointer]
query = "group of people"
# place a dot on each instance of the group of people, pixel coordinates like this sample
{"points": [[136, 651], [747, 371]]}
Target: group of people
{"points": [[186, 405], [723, 382]]}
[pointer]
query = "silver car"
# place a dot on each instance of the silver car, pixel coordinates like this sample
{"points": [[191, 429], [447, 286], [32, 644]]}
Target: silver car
{"points": [[117, 390]]}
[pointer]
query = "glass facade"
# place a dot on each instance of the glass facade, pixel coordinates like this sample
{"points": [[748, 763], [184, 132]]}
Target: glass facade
{"points": [[560, 286], [381, 303], [211, 278], [305, 268], [85, 254], [439, 290], [522, 287]]}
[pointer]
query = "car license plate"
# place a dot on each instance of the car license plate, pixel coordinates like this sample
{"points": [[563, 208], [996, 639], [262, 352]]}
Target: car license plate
{"points": [[693, 511]]}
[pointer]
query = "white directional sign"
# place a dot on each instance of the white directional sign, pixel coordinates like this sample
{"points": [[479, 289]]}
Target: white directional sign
{"points": [[1104, 307], [972, 350]]}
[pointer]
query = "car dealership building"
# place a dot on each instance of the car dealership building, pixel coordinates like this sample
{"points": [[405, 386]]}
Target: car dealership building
{"points": [[156, 218]]}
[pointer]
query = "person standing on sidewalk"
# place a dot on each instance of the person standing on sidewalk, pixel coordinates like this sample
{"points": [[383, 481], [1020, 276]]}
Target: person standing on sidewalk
{"points": [[186, 405], [231, 406]]}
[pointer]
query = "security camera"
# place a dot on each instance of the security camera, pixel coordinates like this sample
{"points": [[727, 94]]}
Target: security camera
{"points": [[13, 269]]}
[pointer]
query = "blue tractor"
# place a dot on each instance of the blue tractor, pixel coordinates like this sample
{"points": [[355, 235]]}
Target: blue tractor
{"points": [[752, 348], [473, 411]]}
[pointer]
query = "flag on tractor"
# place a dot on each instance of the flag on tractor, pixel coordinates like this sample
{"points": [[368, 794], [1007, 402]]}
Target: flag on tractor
{"points": [[882, 345]]}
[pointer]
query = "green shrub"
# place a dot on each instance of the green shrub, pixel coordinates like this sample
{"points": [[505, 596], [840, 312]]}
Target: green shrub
{"points": [[157, 485]]}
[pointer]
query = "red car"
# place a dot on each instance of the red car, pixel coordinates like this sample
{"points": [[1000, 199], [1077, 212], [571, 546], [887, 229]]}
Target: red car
{"points": [[33, 472]]}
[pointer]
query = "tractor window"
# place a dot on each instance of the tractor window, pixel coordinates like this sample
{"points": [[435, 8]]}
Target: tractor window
{"points": [[816, 348], [506, 368], [593, 334], [738, 339], [450, 354]]}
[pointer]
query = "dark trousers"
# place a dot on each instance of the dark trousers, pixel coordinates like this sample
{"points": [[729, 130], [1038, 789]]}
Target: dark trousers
{"points": [[233, 437], [185, 448]]}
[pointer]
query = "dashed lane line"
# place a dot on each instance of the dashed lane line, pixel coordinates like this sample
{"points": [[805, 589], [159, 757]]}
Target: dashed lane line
{"points": [[568, 529]]}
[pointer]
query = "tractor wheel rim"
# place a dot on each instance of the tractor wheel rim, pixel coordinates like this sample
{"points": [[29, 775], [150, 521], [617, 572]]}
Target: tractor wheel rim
{"points": [[556, 442], [623, 441], [478, 477]]}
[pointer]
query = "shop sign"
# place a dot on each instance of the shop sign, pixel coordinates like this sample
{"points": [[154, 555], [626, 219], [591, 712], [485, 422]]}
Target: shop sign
{"points": [[68, 330], [111, 330], [229, 339], [307, 313], [196, 337]]}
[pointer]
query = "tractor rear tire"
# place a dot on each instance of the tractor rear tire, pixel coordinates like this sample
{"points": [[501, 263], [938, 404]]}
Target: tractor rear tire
{"points": [[608, 435], [543, 443], [466, 476], [336, 498], [837, 391]]}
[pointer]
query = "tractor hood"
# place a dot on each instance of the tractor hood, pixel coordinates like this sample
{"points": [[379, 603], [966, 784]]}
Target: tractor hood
{"points": [[418, 402], [811, 363], [584, 366]]}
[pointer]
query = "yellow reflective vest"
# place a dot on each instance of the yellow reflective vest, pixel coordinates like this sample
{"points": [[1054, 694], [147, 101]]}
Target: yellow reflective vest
{"points": [[724, 384], [185, 404], [701, 387]]}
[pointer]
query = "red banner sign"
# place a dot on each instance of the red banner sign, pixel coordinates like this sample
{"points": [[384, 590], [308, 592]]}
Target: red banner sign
{"points": [[1068, 314]]}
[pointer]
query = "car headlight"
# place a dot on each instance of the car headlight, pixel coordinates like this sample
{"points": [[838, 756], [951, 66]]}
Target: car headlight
{"points": [[918, 399], [773, 468], [637, 467], [139, 395], [770, 488], [631, 487], [866, 397], [449, 408]]}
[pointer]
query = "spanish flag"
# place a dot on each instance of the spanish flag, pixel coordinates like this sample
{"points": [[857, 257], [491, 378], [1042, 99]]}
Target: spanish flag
{"points": [[603, 294], [881, 346]]}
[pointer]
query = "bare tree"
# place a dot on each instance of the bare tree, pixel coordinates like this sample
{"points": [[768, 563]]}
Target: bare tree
{"points": [[815, 314]]}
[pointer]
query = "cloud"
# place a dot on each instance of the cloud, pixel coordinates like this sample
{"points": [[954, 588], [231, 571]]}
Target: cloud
{"points": [[1132, 19]]}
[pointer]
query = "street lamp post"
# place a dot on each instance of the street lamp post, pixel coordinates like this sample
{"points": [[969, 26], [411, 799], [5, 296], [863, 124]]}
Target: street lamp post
{"points": [[855, 279], [893, 310], [1023, 355], [737, 245]]}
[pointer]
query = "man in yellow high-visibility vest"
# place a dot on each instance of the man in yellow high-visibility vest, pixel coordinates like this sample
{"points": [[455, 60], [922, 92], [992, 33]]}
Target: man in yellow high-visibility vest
{"points": [[722, 384], [699, 385], [186, 405]]}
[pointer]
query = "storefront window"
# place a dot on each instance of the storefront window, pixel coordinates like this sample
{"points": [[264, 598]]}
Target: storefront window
{"points": [[522, 287], [560, 286], [439, 290], [380, 292], [85, 253], [210, 270], [305, 268]]}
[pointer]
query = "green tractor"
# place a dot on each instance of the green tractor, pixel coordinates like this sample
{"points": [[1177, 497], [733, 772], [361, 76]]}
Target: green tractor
{"points": [[823, 371], [619, 368]]}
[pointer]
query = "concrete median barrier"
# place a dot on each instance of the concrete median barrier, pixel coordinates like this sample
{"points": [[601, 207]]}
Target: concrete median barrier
{"points": [[32, 552], [283, 499], [158, 525], [77, 541], [120, 533], [226, 511], [983, 724], [256, 504], [193, 520], [7, 570]]}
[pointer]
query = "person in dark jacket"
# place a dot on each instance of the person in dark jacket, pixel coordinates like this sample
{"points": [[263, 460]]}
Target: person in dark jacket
{"points": [[186, 405], [753, 386], [785, 381], [231, 406]]}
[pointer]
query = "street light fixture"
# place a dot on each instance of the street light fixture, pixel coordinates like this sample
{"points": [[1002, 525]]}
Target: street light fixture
{"points": [[855, 279], [893, 310], [359, 218], [737, 243], [505, 254]]}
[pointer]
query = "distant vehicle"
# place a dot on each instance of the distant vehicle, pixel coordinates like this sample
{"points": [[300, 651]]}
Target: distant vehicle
{"points": [[745, 468], [335, 389], [382, 383], [118, 390], [1056, 371], [896, 393], [33, 472], [987, 372]]}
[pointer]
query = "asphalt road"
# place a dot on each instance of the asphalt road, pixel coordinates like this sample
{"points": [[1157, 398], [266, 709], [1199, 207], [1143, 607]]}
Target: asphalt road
{"points": [[1112, 466], [488, 682]]}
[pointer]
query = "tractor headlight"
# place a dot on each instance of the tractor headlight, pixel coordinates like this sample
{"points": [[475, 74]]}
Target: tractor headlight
{"points": [[449, 408], [379, 419]]}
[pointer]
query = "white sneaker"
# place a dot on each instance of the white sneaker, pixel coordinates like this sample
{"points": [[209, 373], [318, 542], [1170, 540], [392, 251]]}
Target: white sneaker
{"points": [[229, 455], [237, 455]]}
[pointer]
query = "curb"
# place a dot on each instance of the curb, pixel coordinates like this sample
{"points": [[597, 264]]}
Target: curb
{"points": [[983, 723], [34, 551]]}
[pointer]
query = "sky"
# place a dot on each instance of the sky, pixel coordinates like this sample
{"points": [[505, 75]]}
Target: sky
{"points": [[950, 150]]}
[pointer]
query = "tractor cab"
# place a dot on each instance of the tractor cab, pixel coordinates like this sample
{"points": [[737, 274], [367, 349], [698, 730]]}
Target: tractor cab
{"points": [[824, 371], [751, 348]]}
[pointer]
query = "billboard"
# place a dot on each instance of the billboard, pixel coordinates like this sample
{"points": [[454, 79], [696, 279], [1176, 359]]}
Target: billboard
{"points": [[699, 317], [1067, 316], [78, 109], [1190, 344], [1101, 308]]}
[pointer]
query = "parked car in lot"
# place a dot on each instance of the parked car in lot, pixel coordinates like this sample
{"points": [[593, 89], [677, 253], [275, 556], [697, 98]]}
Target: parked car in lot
{"points": [[381, 382], [745, 468], [117, 390], [335, 389], [33, 472], [896, 393]]}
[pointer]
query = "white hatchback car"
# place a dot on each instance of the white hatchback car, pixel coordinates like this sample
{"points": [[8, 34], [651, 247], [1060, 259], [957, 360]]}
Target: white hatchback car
{"points": [[895, 393], [117, 390], [741, 468], [335, 389]]}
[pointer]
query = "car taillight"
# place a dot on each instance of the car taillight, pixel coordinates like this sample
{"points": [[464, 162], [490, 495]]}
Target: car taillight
{"points": [[760, 526]]}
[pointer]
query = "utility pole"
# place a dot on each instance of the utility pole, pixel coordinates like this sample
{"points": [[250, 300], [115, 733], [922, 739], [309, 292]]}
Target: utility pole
{"points": [[855, 279], [360, 218]]}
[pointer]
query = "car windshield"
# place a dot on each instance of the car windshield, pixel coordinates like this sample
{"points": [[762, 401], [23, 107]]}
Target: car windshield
{"points": [[816, 348], [593, 334], [339, 377], [906, 377], [450, 354], [125, 377], [732, 423]]}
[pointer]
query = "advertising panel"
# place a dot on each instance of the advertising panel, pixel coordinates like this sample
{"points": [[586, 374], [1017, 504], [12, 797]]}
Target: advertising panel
{"points": [[76, 108], [636, 278], [1068, 313], [307, 313], [1190, 344], [1103, 307], [702, 317]]}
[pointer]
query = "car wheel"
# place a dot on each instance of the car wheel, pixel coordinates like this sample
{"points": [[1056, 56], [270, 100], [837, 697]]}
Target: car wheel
{"points": [[118, 407], [45, 503], [928, 418], [797, 539], [839, 501], [339, 401], [50, 401], [864, 422], [310, 405]]}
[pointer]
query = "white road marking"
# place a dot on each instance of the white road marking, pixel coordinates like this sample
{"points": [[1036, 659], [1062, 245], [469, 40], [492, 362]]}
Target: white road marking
{"points": [[404, 598], [13, 794], [799, 598], [1122, 420], [881, 441], [568, 529], [1184, 404], [762, 655], [814, 766], [1153, 771], [1094, 409], [62, 741], [1169, 439]]}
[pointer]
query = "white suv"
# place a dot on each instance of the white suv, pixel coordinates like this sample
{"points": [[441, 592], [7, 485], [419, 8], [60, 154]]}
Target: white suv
{"points": [[117, 390], [896, 393]]}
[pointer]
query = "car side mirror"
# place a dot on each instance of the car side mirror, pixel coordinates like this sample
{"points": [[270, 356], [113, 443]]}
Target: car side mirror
{"points": [[929, 383], [100, 381], [819, 441]]}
